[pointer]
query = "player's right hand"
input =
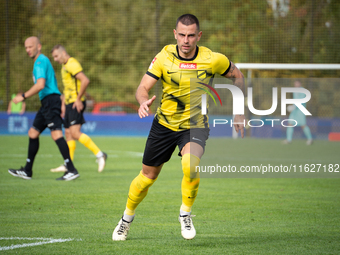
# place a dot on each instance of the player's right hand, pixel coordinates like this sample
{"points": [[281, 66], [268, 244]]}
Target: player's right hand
{"points": [[143, 110]]}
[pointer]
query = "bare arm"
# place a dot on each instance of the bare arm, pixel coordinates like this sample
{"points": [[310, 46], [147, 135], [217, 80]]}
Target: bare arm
{"points": [[84, 82], [238, 79], [142, 95], [236, 76], [40, 84]]}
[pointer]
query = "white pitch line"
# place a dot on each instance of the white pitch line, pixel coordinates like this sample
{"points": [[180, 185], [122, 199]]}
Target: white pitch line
{"points": [[25, 238], [13, 155], [135, 154], [24, 245]]}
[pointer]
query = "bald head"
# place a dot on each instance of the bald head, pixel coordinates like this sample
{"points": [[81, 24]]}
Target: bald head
{"points": [[33, 39], [33, 47]]}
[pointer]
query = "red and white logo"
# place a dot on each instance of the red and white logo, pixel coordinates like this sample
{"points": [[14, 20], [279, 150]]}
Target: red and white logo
{"points": [[188, 65], [153, 61]]}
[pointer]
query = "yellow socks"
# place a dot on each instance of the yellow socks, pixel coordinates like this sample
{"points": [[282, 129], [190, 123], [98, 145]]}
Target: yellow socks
{"points": [[138, 190], [190, 181], [88, 143], [72, 147]]}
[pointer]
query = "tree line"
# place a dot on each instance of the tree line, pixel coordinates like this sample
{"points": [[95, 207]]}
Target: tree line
{"points": [[115, 40]]}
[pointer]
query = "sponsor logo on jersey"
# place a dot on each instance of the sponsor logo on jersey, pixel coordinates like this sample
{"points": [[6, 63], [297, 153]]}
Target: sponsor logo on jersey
{"points": [[153, 61], [188, 65]]}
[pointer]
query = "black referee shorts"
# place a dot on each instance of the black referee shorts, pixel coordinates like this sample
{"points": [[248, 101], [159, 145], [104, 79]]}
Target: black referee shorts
{"points": [[49, 114], [73, 117], [162, 142]]}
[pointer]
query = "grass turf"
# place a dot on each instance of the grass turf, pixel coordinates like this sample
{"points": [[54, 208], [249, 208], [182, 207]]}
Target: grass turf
{"points": [[234, 216]]}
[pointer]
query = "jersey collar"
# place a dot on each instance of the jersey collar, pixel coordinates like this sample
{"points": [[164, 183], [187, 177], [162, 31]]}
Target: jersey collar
{"points": [[67, 61], [187, 59]]}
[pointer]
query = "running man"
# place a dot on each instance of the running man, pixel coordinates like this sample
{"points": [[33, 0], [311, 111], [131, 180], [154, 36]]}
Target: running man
{"points": [[75, 83], [177, 122], [45, 83]]}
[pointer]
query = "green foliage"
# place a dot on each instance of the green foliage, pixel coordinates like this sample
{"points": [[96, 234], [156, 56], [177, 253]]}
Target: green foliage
{"points": [[19, 13], [116, 40]]}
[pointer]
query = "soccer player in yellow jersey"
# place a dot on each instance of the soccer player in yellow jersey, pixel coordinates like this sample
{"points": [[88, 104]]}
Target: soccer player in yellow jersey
{"points": [[177, 121], [75, 83]]}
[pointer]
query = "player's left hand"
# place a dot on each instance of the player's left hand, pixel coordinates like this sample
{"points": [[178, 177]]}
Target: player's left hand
{"points": [[78, 104], [239, 122], [143, 110]]}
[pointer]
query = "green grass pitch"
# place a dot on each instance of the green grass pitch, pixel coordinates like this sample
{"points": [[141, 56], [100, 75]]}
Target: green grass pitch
{"points": [[233, 215]]}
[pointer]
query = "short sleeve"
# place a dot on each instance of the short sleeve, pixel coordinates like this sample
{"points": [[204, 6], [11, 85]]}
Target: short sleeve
{"points": [[156, 66], [221, 64], [74, 67], [40, 70]]}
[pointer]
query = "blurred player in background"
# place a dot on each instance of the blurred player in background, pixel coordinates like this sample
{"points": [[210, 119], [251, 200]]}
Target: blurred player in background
{"points": [[18, 108], [177, 123], [74, 104], [297, 115], [45, 84]]}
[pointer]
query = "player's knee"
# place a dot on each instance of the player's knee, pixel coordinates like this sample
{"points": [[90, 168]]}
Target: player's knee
{"points": [[142, 183], [68, 134], [189, 166], [75, 134], [33, 133], [151, 172], [56, 134], [75, 131]]}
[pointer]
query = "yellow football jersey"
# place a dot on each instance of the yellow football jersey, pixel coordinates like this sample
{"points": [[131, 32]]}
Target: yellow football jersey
{"points": [[71, 84], [180, 107]]}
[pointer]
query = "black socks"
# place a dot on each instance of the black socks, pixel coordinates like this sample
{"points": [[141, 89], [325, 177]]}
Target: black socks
{"points": [[33, 147], [65, 152]]}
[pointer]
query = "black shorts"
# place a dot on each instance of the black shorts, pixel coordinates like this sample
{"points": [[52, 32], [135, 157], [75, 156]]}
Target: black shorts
{"points": [[73, 117], [162, 142], [49, 114]]}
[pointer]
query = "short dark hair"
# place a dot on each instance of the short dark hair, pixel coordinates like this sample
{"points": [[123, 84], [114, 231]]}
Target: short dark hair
{"points": [[58, 47], [188, 19]]}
